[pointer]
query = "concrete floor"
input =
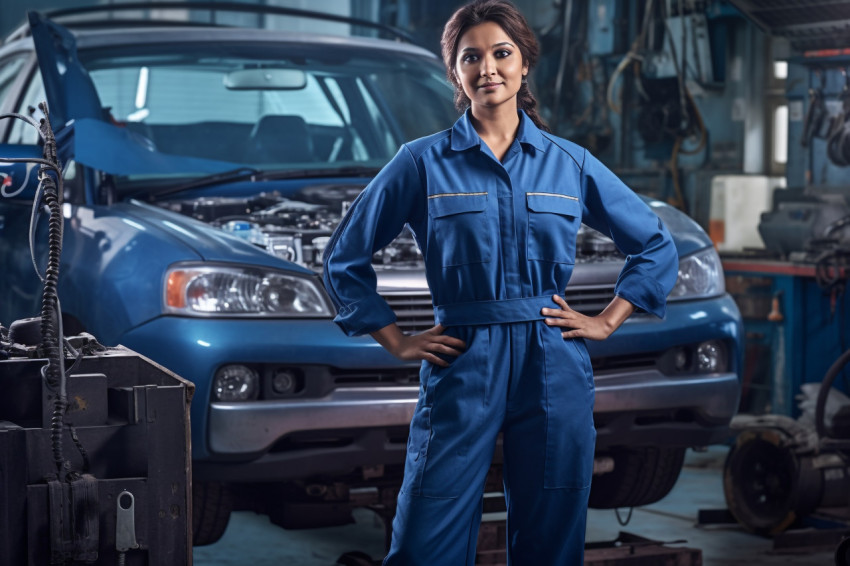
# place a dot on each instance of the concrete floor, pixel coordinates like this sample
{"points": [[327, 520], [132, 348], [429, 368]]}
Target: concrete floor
{"points": [[251, 539]]}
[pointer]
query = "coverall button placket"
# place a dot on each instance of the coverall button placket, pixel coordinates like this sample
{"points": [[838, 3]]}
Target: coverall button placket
{"points": [[511, 274], [515, 207]]}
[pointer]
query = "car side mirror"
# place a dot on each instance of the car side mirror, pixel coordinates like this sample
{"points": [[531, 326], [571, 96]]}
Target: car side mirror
{"points": [[19, 180]]}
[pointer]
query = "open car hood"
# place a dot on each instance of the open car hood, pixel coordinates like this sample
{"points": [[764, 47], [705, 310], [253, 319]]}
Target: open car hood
{"points": [[78, 119], [70, 92]]}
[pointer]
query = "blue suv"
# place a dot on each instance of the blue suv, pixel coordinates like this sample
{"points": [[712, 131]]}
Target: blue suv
{"points": [[206, 168]]}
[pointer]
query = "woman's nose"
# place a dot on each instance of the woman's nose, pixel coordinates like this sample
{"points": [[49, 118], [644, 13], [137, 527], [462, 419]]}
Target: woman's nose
{"points": [[488, 66]]}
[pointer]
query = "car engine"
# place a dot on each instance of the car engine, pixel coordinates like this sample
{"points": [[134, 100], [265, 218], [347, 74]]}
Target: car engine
{"points": [[298, 227]]}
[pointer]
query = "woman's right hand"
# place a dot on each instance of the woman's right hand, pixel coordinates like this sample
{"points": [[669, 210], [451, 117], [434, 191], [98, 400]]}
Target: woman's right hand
{"points": [[423, 346]]}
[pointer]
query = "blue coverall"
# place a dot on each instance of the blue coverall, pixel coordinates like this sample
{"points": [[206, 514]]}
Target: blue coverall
{"points": [[498, 240]]}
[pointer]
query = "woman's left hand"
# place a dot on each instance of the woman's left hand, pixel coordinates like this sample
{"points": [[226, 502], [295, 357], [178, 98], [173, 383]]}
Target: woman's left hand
{"points": [[597, 327]]}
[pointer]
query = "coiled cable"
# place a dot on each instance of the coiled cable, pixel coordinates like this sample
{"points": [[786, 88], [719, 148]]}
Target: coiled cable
{"points": [[51, 318]]}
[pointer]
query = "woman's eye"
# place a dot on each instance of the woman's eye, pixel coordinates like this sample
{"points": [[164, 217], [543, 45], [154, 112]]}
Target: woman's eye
{"points": [[502, 53], [469, 58]]}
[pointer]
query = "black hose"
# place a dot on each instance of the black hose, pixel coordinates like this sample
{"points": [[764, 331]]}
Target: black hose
{"points": [[836, 225], [83, 453], [828, 269], [31, 121], [825, 387]]}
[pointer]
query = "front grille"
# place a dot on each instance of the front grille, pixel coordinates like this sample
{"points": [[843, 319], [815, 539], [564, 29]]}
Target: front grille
{"points": [[589, 300], [629, 362], [416, 313], [371, 377], [414, 310]]}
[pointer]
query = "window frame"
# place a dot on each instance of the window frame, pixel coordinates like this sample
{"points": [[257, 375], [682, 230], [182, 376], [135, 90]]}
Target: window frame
{"points": [[774, 97], [18, 88]]}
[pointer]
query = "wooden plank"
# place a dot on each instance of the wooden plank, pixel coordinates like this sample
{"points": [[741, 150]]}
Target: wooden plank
{"points": [[643, 556], [627, 550]]}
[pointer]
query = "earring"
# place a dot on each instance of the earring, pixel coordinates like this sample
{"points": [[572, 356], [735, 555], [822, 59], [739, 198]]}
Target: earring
{"points": [[524, 80]]}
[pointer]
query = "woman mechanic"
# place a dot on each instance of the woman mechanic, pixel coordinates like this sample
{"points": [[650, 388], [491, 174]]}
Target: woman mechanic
{"points": [[495, 203]]}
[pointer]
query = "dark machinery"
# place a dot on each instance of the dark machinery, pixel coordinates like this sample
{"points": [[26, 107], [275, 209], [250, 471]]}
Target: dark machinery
{"points": [[121, 495], [781, 469], [94, 458], [804, 224]]}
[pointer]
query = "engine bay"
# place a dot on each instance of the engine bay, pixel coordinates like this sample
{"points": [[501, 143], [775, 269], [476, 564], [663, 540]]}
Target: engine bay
{"points": [[297, 228]]}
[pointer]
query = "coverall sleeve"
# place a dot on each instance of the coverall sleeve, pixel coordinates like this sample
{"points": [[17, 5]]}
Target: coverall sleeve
{"points": [[375, 218], [652, 263]]}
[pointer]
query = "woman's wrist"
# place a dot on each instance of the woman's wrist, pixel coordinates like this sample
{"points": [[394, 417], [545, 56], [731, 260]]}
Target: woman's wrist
{"points": [[615, 314], [390, 337]]}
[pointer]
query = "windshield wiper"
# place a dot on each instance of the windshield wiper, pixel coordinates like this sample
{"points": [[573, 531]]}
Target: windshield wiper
{"points": [[243, 173], [352, 171], [207, 180]]}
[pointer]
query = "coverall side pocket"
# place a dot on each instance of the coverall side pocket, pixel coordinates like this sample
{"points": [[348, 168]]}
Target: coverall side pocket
{"points": [[459, 228], [570, 434], [417, 450], [553, 222], [581, 349], [449, 456]]}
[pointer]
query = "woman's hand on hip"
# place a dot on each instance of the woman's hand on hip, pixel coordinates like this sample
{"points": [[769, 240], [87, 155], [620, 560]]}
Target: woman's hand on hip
{"points": [[597, 327], [424, 346]]}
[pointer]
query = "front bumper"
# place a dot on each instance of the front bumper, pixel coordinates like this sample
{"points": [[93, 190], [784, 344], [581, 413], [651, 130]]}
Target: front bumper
{"points": [[252, 428], [648, 408], [194, 348], [362, 426], [697, 404]]}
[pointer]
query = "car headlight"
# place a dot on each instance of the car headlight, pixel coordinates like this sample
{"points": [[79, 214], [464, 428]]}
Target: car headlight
{"points": [[217, 290], [700, 276]]}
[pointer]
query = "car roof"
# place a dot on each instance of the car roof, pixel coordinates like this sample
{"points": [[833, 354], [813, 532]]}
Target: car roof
{"points": [[121, 36]]}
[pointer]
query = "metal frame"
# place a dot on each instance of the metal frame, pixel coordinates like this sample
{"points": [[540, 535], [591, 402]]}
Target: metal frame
{"points": [[808, 24], [209, 6]]}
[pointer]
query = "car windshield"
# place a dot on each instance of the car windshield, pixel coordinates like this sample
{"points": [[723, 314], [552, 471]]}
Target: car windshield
{"points": [[271, 107]]}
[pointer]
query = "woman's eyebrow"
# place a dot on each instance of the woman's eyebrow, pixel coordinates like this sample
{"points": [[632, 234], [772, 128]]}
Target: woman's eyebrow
{"points": [[465, 49]]}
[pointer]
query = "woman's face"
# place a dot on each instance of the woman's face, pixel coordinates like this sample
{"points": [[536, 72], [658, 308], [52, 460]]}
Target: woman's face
{"points": [[489, 66]]}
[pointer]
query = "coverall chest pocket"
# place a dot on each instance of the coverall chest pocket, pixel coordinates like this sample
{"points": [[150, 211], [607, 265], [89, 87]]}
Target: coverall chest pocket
{"points": [[459, 228], [553, 222]]}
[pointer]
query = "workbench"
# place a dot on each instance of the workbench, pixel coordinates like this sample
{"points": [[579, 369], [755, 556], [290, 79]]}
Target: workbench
{"points": [[794, 330]]}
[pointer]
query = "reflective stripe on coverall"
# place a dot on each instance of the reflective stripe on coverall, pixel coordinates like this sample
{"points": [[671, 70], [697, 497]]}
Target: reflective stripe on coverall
{"points": [[498, 240]]}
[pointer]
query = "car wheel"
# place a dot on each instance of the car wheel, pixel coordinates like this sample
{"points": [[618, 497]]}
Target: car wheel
{"points": [[356, 558], [211, 506], [842, 553], [641, 476]]}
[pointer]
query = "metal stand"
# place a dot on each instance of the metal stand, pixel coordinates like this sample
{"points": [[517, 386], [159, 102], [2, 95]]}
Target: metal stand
{"points": [[822, 530]]}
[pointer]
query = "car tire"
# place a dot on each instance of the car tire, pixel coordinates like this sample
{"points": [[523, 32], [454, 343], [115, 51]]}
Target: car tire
{"points": [[211, 506], [356, 558], [641, 476]]}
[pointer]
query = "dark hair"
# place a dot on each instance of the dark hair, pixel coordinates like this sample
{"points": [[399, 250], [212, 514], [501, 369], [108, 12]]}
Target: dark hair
{"points": [[513, 22]]}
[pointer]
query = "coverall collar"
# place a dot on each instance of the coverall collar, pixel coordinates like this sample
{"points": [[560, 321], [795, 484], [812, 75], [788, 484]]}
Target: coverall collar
{"points": [[464, 135]]}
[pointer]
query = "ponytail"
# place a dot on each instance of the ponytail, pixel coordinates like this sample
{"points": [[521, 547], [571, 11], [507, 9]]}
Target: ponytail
{"points": [[526, 102]]}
